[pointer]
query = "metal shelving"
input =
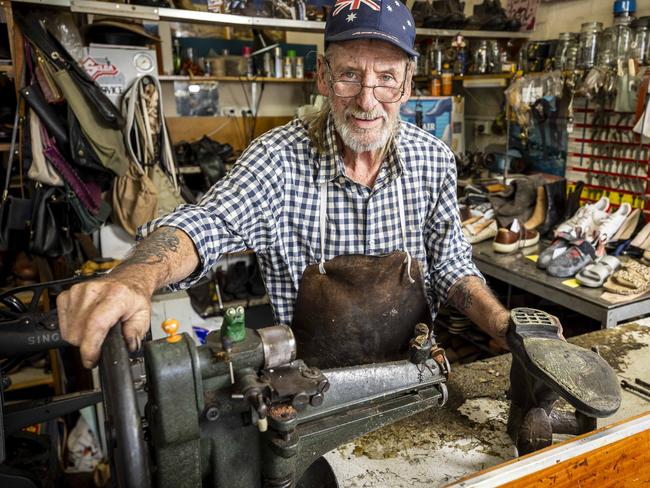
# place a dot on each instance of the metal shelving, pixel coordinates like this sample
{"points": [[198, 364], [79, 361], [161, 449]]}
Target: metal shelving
{"points": [[244, 79], [194, 16]]}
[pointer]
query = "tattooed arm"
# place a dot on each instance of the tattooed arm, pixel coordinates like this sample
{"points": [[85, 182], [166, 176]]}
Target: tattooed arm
{"points": [[89, 309], [471, 297]]}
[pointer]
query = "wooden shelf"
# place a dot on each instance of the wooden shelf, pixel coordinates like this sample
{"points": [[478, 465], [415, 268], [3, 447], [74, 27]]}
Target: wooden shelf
{"points": [[6, 68], [5, 146], [194, 16], [244, 79], [29, 377]]}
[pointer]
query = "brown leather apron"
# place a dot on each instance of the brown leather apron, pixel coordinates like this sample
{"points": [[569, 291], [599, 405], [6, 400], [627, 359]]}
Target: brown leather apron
{"points": [[356, 309]]}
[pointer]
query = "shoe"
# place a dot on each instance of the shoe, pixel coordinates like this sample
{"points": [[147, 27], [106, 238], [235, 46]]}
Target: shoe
{"points": [[555, 205], [255, 284], [559, 246], [579, 255], [640, 243], [573, 200], [514, 237], [476, 233], [594, 275], [539, 214], [613, 222], [585, 220], [628, 229], [447, 14], [236, 279]]}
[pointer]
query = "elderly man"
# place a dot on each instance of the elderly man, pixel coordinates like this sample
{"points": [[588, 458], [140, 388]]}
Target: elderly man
{"points": [[352, 214]]}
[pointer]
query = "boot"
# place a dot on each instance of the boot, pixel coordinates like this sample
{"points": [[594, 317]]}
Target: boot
{"points": [[573, 201], [539, 214], [555, 205]]}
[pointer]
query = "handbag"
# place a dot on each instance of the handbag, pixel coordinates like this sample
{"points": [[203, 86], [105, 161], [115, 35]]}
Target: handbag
{"points": [[40, 170], [43, 73], [56, 54], [135, 199], [55, 125], [81, 220], [15, 212], [50, 234]]}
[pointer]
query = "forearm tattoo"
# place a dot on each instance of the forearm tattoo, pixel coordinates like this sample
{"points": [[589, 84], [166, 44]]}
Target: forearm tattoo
{"points": [[156, 248], [460, 296]]}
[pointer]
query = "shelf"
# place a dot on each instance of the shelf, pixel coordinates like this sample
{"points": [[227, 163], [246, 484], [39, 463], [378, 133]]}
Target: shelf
{"points": [[5, 146], [194, 16], [6, 68], [29, 377], [497, 80], [245, 79]]}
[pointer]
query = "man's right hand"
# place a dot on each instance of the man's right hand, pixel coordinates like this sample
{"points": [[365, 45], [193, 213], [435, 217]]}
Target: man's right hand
{"points": [[88, 310]]}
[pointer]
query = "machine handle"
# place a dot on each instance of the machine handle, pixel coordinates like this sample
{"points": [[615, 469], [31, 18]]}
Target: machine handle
{"points": [[128, 450]]}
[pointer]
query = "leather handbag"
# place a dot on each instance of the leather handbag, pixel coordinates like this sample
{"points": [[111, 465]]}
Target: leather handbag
{"points": [[135, 199], [85, 158], [43, 74], [56, 54], [15, 212], [40, 169], [50, 234], [55, 125], [81, 219]]}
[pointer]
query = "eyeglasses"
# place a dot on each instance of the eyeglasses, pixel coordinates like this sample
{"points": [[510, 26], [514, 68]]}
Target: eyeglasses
{"points": [[349, 89]]}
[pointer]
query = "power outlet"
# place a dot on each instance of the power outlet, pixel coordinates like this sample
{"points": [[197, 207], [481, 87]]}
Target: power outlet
{"points": [[482, 128], [229, 111]]}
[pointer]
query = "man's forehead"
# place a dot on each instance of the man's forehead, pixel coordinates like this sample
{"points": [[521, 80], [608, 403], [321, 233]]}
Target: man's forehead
{"points": [[362, 51]]}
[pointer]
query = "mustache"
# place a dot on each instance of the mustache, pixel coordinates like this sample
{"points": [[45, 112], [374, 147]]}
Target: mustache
{"points": [[377, 112]]}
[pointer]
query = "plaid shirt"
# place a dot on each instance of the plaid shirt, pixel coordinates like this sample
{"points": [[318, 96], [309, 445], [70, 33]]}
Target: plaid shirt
{"points": [[268, 203]]}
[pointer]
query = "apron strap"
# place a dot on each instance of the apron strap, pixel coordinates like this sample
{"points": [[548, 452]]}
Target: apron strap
{"points": [[322, 210], [402, 224]]}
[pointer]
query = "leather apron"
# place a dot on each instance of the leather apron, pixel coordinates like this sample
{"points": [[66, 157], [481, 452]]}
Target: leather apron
{"points": [[356, 309]]}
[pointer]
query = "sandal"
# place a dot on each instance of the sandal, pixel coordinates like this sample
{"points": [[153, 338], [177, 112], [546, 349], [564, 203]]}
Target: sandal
{"points": [[595, 275]]}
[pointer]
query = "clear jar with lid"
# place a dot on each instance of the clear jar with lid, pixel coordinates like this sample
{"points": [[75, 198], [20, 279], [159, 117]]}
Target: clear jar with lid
{"points": [[567, 49], [588, 44], [480, 61], [623, 37], [640, 45]]}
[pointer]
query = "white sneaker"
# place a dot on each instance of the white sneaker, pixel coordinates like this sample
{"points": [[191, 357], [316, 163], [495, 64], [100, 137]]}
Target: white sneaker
{"points": [[586, 220], [610, 225]]}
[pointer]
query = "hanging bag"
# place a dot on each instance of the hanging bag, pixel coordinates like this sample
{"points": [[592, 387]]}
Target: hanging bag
{"points": [[40, 170], [50, 233]]}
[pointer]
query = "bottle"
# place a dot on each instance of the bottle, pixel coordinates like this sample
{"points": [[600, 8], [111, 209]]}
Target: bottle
{"points": [[300, 67], [435, 85], [277, 62], [177, 59], [447, 81], [288, 67], [250, 68], [291, 71]]}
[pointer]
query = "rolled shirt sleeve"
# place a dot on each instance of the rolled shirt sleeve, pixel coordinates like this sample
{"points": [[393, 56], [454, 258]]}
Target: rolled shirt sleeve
{"points": [[449, 253], [235, 214]]}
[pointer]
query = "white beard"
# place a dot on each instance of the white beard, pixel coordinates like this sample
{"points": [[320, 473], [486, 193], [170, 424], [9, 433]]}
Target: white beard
{"points": [[360, 140]]}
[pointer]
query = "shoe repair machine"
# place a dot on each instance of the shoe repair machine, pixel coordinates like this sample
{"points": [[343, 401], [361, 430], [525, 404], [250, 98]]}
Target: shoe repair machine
{"points": [[243, 411]]}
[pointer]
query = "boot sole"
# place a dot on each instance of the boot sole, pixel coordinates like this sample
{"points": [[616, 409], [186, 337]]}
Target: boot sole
{"points": [[580, 376]]}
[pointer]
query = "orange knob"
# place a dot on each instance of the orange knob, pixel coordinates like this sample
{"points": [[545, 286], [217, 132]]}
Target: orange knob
{"points": [[170, 326]]}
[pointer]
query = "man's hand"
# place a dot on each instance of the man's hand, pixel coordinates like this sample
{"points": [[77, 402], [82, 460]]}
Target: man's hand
{"points": [[88, 310]]}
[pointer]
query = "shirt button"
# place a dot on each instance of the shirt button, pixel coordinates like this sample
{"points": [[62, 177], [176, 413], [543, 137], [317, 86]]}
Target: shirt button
{"points": [[371, 242]]}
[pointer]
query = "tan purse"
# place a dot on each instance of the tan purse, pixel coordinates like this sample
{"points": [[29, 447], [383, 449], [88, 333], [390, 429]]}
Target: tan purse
{"points": [[41, 170], [135, 199], [43, 72]]}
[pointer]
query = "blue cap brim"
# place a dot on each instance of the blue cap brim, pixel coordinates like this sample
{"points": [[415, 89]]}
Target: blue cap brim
{"points": [[357, 34]]}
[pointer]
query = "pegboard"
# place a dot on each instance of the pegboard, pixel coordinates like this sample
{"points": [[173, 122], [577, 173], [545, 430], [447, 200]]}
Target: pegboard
{"points": [[608, 156]]}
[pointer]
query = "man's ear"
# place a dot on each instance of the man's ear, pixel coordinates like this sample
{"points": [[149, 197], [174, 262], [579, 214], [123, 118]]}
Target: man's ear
{"points": [[408, 84], [321, 77]]}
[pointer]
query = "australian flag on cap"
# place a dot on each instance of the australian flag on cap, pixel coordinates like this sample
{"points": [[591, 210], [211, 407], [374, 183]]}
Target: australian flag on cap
{"points": [[386, 20]]}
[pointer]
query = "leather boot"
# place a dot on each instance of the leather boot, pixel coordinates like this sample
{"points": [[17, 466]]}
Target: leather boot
{"points": [[539, 214], [573, 201], [555, 205]]}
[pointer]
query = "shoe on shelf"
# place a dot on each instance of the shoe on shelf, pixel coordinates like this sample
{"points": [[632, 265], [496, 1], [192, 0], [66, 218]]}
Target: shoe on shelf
{"points": [[640, 243], [573, 200], [559, 246], [579, 255], [613, 222], [585, 221], [479, 232], [628, 229], [236, 279], [514, 237], [555, 205], [539, 213]]}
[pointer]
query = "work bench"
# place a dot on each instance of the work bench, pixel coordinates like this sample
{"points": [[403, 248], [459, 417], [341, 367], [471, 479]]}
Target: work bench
{"points": [[515, 269]]}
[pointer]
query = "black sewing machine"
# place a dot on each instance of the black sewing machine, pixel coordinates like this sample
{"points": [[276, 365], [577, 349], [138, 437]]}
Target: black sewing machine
{"points": [[243, 411]]}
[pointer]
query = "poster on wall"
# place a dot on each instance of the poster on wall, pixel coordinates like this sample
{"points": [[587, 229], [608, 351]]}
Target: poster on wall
{"points": [[440, 116], [525, 11]]}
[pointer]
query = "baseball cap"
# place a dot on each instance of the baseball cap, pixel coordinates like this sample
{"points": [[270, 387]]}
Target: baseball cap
{"points": [[386, 20]]}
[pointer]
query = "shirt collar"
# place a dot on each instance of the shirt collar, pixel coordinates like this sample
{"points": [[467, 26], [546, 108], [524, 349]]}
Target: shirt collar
{"points": [[330, 163]]}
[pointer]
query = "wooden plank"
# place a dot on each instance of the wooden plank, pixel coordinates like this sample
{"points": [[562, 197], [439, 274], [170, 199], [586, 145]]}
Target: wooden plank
{"points": [[614, 456], [223, 129]]}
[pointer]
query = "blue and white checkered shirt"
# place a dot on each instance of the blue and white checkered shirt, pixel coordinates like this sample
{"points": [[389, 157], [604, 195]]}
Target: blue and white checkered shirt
{"points": [[268, 203]]}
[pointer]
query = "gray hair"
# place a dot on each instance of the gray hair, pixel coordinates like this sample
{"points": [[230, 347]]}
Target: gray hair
{"points": [[317, 121]]}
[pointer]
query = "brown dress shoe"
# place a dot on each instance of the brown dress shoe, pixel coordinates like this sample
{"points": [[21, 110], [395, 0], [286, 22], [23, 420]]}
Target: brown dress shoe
{"points": [[514, 237]]}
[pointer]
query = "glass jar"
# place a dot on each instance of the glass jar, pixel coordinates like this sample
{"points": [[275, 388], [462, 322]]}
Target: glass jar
{"points": [[494, 57], [623, 38], [567, 49], [640, 45], [480, 61], [588, 44]]}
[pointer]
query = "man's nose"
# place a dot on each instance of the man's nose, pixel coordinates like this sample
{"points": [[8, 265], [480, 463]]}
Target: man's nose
{"points": [[366, 98]]}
